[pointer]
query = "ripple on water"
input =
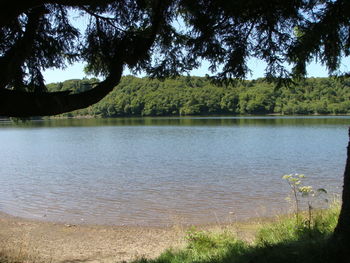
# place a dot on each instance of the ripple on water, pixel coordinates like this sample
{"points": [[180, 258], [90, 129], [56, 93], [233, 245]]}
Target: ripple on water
{"points": [[199, 172]]}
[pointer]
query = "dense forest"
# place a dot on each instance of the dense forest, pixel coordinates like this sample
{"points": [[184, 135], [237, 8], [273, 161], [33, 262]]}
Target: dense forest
{"points": [[199, 96]]}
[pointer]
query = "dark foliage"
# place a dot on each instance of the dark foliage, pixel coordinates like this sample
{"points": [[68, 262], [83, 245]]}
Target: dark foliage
{"points": [[162, 38]]}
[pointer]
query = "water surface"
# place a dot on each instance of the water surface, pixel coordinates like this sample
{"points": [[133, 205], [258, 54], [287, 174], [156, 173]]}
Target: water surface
{"points": [[163, 171]]}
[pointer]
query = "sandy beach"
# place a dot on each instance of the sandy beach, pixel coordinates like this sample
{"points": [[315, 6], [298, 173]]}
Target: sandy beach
{"points": [[37, 241]]}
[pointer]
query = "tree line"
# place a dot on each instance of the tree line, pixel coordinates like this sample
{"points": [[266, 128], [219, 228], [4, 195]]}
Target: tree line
{"points": [[199, 96]]}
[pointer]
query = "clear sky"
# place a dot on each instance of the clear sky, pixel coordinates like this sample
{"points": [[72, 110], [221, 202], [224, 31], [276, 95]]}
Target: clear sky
{"points": [[257, 67]]}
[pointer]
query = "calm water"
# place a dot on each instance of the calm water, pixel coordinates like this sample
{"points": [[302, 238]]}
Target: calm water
{"points": [[160, 171]]}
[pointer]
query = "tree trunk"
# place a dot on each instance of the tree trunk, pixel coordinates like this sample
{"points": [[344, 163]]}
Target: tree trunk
{"points": [[25, 104], [342, 231]]}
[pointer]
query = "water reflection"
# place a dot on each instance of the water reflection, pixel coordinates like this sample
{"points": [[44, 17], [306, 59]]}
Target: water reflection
{"points": [[159, 171], [186, 121]]}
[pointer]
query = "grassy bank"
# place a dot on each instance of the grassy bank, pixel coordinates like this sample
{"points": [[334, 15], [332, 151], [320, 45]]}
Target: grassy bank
{"points": [[263, 240], [283, 240]]}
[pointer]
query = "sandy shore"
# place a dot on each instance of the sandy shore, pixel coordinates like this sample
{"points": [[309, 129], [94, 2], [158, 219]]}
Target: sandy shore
{"points": [[36, 241]]}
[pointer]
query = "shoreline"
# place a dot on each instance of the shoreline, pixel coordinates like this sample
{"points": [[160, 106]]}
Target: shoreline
{"points": [[39, 241], [33, 240], [88, 117]]}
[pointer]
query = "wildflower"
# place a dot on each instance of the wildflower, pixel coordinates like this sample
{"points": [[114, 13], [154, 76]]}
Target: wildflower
{"points": [[305, 189], [286, 176]]}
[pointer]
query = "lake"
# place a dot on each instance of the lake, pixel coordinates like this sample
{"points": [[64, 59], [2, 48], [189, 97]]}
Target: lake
{"points": [[165, 171]]}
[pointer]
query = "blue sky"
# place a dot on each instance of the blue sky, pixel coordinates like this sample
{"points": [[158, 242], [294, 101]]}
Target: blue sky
{"points": [[257, 67]]}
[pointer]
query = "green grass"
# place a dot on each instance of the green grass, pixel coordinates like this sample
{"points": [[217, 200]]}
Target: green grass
{"points": [[281, 241]]}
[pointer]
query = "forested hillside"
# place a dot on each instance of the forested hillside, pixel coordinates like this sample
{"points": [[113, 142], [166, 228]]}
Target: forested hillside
{"points": [[198, 96]]}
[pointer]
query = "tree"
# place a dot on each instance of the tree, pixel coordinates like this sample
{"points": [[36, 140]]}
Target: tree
{"points": [[143, 35]]}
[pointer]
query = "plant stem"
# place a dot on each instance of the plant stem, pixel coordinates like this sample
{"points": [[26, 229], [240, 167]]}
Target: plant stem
{"points": [[296, 204], [310, 214]]}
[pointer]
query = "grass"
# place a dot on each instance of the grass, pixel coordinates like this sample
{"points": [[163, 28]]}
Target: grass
{"points": [[281, 241]]}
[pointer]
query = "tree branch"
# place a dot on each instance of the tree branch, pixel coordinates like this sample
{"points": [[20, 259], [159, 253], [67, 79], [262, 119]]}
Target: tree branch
{"points": [[14, 103], [13, 59], [24, 104]]}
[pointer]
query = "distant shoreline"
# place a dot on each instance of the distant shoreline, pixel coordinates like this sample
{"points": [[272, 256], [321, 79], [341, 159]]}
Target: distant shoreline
{"points": [[194, 116], [188, 96], [82, 117]]}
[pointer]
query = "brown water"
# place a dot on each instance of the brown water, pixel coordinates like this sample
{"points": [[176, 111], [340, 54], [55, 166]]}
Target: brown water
{"points": [[163, 171]]}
